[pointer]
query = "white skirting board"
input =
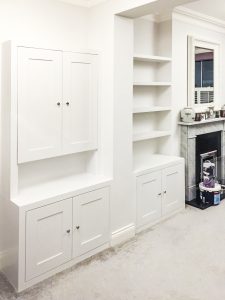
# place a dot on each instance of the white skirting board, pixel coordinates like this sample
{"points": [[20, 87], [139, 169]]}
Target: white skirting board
{"points": [[1, 260], [123, 234]]}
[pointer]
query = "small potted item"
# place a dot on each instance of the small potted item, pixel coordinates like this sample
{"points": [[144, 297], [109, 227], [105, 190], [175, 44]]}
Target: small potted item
{"points": [[217, 114], [222, 111], [210, 113], [187, 115]]}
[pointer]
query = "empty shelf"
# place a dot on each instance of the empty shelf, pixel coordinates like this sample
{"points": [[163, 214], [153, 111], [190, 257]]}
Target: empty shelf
{"points": [[150, 135], [151, 58]]}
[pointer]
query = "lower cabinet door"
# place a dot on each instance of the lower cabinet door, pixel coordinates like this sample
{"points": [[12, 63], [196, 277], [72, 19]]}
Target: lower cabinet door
{"points": [[48, 237], [148, 198], [91, 221], [173, 188]]}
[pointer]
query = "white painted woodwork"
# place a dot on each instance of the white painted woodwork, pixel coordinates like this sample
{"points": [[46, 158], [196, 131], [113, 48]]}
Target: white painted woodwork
{"points": [[80, 94], [144, 109], [48, 237], [151, 58], [156, 161], [57, 103], [161, 192], [152, 83], [148, 198], [150, 135], [152, 91], [91, 221], [173, 188], [39, 91]]}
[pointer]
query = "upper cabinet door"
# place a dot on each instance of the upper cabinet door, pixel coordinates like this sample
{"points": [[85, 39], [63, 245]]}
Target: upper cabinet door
{"points": [[173, 189], [80, 95], [39, 103]]}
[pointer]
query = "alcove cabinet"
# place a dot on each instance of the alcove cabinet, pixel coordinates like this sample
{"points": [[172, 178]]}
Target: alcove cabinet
{"points": [[65, 230], [160, 192], [57, 103], [55, 193]]}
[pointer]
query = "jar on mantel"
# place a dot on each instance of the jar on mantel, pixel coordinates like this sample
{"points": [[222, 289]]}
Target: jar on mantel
{"points": [[222, 111]]}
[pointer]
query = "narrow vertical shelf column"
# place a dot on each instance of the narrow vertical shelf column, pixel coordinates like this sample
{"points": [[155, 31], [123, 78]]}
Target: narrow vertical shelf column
{"points": [[152, 88]]}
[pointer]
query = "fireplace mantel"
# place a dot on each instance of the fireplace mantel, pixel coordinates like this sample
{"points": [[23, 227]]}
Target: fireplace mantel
{"points": [[202, 122], [189, 132]]}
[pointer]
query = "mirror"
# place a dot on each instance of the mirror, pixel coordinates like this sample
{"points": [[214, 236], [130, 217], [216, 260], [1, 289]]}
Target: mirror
{"points": [[202, 73]]}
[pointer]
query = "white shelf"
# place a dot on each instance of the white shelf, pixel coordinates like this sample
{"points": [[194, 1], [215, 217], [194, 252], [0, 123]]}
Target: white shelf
{"points": [[152, 83], [156, 161], [150, 135], [151, 58], [138, 110], [65, 187]]}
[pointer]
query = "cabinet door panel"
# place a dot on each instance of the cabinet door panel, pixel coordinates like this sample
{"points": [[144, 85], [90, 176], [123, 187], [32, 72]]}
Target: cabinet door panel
{"points": [[148, 198], [80, 102], [91, 220], [173, 188], [48, 244], [39, 116]]}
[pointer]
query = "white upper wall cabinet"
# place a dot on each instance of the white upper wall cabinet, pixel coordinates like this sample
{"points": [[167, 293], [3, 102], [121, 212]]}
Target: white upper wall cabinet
{"points": [[57, 103], [80, 102], [39, 100]]}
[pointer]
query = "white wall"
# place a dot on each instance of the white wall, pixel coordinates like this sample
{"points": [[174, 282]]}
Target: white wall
{"points": [[182, 27], [47, 22]]}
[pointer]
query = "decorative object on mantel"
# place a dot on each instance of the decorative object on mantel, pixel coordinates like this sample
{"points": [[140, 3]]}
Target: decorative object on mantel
{"points": [[222, 111], [187, 115], [210, 113]]}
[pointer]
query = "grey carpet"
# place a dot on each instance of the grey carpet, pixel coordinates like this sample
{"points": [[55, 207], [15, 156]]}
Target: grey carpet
{"points": [[182, 258]]}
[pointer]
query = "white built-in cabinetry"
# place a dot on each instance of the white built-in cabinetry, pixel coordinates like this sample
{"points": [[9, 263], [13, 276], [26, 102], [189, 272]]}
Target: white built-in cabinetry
{"points": [[55, 192], [160, 192], [159, 176], [152, 97], [56, 199], [64, 230], [48, 237], [57, 103]]}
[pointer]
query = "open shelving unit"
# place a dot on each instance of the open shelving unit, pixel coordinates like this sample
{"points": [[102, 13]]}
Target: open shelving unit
{"points": [[152, 92]]}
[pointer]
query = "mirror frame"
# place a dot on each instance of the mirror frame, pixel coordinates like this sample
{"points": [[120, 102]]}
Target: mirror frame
{"points": [[202, 43]]}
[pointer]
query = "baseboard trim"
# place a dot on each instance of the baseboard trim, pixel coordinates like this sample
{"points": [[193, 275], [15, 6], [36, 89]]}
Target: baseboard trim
{"points": [[123, 234], [1, 261]]}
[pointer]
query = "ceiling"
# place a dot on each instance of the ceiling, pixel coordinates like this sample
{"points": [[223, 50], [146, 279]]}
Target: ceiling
{"points": [[213, 8], [85, 3]]}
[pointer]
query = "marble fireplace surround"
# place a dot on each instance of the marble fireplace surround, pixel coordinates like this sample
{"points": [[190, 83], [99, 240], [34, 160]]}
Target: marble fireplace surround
{"points": [[189, 132]]}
